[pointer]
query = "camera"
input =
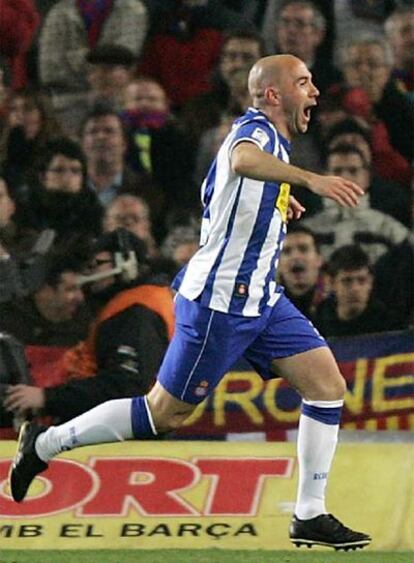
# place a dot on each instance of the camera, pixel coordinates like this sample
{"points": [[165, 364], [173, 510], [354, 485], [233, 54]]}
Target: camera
{"points": [[20, 277]]}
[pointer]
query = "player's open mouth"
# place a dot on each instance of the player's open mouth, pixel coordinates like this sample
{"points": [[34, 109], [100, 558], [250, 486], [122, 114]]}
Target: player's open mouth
{"points": [[307, 112]]}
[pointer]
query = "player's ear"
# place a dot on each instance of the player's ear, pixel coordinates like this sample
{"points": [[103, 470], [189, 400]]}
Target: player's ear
{"points": [[272, 96]]}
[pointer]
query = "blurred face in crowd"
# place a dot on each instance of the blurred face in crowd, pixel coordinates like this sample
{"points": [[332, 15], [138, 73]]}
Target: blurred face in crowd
{"points": [[349, 166], [352, 291], [24, 112], [239, 91], [129, 212], [300, 263], [400, 32], [59, 304], [108, 80], [296, 33], [236, 54], [101, 263], [145, 95], [184, 251], [63, 174], [365, 66], [355, 140], [7, 205], [103, 140]]}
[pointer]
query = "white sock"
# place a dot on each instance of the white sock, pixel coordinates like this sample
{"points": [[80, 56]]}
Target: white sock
{"points": [[316, 447], [108, 422]]}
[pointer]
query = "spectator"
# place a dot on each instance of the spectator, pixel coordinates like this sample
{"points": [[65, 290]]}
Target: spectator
{"points": [[211, 139], [71, 29], [59, 198], [367, 65], [300, 269], [125, 344], [109, 71], [29, 125], [14, 240], [399, 28], [159, 147], [132, 213], [351, 309], [300, 29], [273, 7], [384, 195], [53, 315], [394, 282], [19, 20], [355, 19], [105, 143], [377, 232], [182, 51], [180, 244], [239, 50]]}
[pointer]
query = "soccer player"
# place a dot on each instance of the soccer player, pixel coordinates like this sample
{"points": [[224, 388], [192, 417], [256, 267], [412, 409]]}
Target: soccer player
{"points": [[228, 305]]}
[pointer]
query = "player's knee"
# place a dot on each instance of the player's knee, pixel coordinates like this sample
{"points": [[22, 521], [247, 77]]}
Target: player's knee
{"points": [[168, 413], [332, 387], [339, 388]]}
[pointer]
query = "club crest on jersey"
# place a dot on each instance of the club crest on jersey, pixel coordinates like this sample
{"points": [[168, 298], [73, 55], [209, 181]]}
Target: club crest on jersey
{"points": [[241, 290], [260, 136], [202, 389]]}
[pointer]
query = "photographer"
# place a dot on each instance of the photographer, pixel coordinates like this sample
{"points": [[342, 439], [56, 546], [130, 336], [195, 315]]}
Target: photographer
{"points": [[127, 341]]}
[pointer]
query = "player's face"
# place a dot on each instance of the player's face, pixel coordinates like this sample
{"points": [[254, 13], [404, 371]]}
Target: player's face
{"points": [[298, 95], [300, 263]]}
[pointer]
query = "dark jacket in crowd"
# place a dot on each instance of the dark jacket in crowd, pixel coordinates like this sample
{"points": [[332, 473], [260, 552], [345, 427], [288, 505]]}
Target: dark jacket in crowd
{"points": [[65, 213], [375, 318], [21, 319]]}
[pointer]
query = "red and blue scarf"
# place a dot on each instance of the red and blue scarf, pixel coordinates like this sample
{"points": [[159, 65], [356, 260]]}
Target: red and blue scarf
{"points": [[94, 14]]}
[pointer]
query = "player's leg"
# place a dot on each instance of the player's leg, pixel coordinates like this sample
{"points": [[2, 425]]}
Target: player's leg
{"points": [[291, 348], [200, 353], [316, 376]]}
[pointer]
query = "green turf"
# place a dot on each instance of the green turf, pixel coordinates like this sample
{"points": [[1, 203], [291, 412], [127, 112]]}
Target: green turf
{"points": [[203, 556]]}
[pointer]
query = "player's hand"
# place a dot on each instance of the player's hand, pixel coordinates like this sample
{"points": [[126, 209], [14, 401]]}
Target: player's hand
{"points": [[295, 209], [20, 398], [343, 191]]}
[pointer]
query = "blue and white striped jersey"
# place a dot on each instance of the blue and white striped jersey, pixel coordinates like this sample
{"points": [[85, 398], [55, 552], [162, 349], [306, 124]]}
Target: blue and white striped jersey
{"points": [[243, 228]]}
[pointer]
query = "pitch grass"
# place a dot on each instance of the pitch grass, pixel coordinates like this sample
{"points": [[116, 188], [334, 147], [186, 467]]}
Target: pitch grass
{"points": [[204, 556]]}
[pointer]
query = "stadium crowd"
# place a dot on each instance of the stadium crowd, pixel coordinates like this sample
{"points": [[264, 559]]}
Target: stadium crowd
{"points": [[111, 112]]}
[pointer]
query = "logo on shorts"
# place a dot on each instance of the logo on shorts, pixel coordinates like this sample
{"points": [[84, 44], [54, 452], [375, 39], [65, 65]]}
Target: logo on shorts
{"points": [[202, 389]]}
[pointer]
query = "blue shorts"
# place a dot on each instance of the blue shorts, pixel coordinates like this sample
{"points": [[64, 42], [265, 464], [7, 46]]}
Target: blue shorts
{"points": [[207, 343]]}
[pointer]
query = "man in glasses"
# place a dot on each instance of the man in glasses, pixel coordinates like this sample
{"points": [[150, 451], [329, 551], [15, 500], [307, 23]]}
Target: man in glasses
{"points": [[240, 49]]}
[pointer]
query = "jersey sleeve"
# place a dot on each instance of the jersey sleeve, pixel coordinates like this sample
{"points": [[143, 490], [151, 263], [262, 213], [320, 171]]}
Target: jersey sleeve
{"points": [[255, 132]]}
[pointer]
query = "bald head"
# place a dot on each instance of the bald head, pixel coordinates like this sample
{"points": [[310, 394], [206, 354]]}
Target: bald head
{"points": [[269, 71]]}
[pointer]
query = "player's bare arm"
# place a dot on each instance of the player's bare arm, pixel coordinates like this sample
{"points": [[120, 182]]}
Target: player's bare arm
{"points": [[248, 160]]}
